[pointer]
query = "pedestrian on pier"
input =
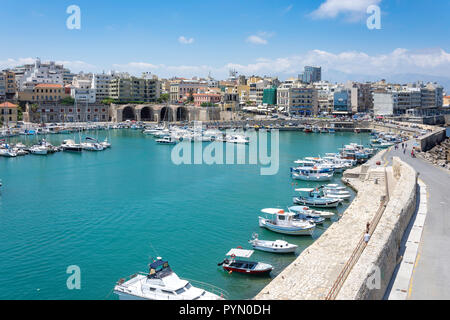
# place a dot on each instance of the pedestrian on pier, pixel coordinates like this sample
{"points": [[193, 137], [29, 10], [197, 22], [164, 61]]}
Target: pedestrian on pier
{"points": [[403, 145], [367, 227], [367, 237]]}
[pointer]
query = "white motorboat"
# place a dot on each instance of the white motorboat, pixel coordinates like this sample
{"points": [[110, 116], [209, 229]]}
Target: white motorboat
{"points": [[341, 196], [237, 139], [311, 197], [278, 246], [167, 141], [105, 144], [7, 153], [283, 222], [161, 283], [39, 150], [306, 175], [311, 212], [89, 146], [71, 146]]}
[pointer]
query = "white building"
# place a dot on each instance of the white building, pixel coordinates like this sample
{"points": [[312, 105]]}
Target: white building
{"points": [[384, 103], [30, 75]]}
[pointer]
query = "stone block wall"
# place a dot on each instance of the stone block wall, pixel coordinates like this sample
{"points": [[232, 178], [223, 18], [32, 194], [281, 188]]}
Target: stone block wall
{"points": [[384, 245]]}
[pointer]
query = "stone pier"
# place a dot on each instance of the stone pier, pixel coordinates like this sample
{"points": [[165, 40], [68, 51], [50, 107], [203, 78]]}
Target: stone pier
{"points": [[318, 273]]}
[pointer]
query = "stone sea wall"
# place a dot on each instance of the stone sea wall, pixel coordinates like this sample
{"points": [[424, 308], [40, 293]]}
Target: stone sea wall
{"points": [[312, 275], [432, 139], [381, 253]]}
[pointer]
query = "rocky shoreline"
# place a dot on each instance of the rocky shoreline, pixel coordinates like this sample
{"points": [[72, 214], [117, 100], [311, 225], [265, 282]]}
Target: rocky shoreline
{"points": [[439, 155]]}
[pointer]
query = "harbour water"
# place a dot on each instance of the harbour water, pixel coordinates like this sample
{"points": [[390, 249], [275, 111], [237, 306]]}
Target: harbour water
{"points": [[109, 212]]}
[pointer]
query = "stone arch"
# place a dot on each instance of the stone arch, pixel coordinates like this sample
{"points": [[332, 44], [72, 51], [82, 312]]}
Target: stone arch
{"points": [[166, 114], [147, 114], [182, 114], [128, 113]]}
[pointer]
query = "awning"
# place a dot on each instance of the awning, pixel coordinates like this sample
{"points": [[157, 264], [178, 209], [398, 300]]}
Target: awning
{"points": [[240, 253]]}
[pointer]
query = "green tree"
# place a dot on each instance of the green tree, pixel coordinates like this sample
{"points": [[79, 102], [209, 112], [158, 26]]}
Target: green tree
{"points": [[68, 101], [163, 98], [108, 101]]}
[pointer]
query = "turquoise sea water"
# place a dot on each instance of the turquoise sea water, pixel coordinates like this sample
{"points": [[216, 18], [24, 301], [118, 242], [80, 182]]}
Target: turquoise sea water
{"points": [[109, 212]]}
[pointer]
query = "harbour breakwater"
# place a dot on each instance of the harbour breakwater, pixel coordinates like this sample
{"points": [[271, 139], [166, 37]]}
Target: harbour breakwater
{"points": [[339, 263]]}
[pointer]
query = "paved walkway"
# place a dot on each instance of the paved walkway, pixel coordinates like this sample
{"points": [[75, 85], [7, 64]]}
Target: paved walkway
{"points": [[431, 274]]}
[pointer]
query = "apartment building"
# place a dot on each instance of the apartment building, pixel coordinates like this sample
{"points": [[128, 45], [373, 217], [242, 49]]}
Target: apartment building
{"points": [[8, 86], [28, 76], [43, 93], [126, 88], [206, 98], [342, 103], [311, 74], [182, 88], [8, 112], [297, 100]]}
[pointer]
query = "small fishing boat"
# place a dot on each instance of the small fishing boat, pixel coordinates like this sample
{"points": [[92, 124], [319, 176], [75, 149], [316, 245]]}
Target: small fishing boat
{"points": [[278, 246], [311, 212], [161, 283], [337, 195], [311, 197], [308, 129], [312, 174], [232, 264], [284, 223]]}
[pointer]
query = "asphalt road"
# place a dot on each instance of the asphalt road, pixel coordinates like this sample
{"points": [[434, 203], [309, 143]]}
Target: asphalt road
{"points": [[431, 274]]}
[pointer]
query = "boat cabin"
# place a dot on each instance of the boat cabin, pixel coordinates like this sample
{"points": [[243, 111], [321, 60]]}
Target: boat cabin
{"points": [[280, 217]]}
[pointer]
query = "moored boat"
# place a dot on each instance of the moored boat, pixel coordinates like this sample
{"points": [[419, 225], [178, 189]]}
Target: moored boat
{"points": [[232, 264], [283, 222], [311, 197], [277, 246], [161, 283]]}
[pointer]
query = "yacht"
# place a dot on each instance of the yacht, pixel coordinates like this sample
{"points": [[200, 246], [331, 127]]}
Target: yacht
{"points": [[161, 283]]}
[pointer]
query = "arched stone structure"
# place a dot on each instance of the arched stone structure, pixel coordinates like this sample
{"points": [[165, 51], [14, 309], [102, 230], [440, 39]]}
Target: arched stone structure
{"points": [[128, 113], [146, 113], [166, 114], [182, 114]]}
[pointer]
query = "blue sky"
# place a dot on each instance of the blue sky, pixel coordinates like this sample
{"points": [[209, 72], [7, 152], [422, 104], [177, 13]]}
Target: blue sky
{"points": [[253, 36]]}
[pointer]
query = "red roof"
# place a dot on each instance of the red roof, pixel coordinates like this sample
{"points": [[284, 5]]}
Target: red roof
{"points": [[48, 85], [7, 105]]}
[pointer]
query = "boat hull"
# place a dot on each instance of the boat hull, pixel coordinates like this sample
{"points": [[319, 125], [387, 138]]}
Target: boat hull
{"points": [[274, 250], [317, 204], [293, 231]]}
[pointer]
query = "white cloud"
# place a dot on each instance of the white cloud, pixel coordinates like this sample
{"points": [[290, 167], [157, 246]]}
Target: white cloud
{"points": [[256, 40], [435, 62], [430, 62], [184, 40], [353, 9], [260, 37], [287, 9]]}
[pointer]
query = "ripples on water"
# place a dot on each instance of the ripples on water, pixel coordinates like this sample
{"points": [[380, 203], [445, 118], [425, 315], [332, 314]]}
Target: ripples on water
{"points": [[106, 211]]}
